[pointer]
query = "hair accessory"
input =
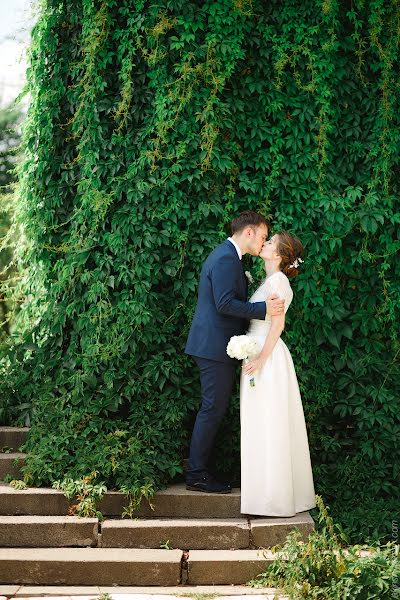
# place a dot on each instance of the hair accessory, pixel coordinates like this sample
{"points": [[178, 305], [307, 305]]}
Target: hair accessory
{"points": [[295, 263]]}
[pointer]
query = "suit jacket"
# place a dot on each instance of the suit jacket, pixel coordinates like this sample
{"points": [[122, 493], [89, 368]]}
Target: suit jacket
{"points": [[222, 309]]}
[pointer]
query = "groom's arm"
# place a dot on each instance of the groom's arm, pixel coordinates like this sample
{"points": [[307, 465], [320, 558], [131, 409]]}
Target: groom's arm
{"points": [[224, 287]]}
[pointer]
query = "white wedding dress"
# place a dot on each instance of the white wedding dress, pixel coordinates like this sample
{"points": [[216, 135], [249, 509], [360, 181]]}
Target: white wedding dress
{"points": [[276, 474]]}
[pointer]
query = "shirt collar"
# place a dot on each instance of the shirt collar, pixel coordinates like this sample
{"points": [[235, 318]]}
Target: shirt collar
{"points": [[239, 252]]}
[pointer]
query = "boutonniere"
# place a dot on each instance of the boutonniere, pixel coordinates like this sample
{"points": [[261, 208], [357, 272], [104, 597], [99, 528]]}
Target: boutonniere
{"points": [[249, 276]]}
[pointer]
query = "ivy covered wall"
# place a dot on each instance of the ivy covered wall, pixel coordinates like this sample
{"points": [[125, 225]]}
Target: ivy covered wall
{"points": [[151, 125]]}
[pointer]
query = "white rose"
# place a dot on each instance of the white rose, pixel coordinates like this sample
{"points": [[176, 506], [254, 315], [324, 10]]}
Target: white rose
{"points": [[241, 346]]}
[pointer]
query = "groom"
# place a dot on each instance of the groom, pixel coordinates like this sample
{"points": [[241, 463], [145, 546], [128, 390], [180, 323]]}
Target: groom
{"points": [[222, 311]]}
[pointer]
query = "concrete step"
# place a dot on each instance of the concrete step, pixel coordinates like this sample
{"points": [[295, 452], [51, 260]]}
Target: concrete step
{"points": [[203, 534], [179, 533], [30, 531], [174, 501], [33, 501], [226, 567], [168, 592], [270, 531], [111, 566], [13, 437], [177, 501], [11, 463], [169, 504], [89, 566], [44, 531]]}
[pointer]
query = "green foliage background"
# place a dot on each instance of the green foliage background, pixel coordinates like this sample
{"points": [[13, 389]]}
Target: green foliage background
{"points": [[10, 138], [151, 125]]}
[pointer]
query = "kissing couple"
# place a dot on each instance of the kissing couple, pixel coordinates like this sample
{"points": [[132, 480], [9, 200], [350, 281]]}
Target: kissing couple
{"points": [[276, 474]]}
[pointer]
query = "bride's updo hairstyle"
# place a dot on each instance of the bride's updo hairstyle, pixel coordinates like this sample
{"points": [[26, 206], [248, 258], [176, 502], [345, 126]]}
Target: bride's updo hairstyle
{"points": [[289, 249]]}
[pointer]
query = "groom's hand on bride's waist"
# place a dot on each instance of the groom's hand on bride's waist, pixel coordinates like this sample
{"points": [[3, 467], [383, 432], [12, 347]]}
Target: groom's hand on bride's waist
{"points": [[275, 305]]}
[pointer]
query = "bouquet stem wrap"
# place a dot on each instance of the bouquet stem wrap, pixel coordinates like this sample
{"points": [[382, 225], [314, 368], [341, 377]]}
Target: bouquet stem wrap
{"points": [[252, 381]]}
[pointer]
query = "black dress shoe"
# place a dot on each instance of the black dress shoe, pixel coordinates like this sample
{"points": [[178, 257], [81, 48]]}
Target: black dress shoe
{"points": [[232, 482], [208, 484]]}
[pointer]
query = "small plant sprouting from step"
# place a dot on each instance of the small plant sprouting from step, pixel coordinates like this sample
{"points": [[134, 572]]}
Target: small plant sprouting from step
{"points": [[166, 545], [87, 493], [18, 484], [6, 450], [104, 596], [135, 495]]}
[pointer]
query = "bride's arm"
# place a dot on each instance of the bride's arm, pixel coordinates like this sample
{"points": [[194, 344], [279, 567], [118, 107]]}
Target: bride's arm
{"points": [[277, 326]]}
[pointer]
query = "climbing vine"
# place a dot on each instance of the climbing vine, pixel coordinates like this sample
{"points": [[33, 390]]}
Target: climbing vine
{"points": [[150, 127]]}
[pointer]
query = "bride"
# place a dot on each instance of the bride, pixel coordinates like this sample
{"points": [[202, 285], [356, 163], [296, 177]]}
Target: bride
{"points": [[276, 475]]}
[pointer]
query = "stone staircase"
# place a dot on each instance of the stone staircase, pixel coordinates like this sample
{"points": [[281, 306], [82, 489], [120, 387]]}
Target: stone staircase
{"points": [[189, 538], [11, 460]]}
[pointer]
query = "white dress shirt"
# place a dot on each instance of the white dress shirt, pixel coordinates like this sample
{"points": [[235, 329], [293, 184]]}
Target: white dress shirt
{"points": [[237, 247]]}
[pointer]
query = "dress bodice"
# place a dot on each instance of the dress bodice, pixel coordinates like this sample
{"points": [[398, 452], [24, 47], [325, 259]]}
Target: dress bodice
{"points": [[278, 284]]}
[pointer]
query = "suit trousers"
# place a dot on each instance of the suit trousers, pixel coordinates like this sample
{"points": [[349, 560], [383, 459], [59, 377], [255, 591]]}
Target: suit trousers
{"points": [[217, 380]]}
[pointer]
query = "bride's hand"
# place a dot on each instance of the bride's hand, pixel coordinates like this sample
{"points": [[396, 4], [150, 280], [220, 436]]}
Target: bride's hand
{"points": [[253, 365]]}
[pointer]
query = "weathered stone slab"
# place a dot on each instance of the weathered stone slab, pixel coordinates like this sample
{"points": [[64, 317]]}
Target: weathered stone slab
{"points": [[31, 591], [180, 533], [33, 501], [191, 591], [47, 531], [10, 464], [8, 590], [215, 567], [143, 592], [13, 437], [89, 566], [269, 531], [177, 501]]}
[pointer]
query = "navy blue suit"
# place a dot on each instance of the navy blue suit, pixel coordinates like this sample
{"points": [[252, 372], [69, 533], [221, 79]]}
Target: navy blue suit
{"points": [[222, 311]]}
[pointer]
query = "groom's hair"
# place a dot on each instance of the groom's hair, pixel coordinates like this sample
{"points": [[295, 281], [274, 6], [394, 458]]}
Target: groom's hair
{"points": [[247, 218]]}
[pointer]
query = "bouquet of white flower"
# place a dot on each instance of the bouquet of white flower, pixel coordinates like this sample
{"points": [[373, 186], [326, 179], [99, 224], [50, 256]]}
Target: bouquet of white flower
{"points": [[243, 347]]}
